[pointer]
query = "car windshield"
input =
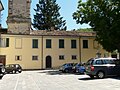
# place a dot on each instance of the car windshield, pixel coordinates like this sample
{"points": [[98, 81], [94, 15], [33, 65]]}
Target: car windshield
{"points": [[63, 64], [90, 61]]}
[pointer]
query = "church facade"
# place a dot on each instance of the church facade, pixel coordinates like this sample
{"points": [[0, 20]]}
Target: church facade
{"points": [[43, 49]]}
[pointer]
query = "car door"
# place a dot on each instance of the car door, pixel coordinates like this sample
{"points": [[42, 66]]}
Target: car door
{"points": [[110, 67], [8, 68], [88, 65]]}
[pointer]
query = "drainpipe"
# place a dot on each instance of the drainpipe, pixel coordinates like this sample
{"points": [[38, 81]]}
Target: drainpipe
{"points": [[80, 49], [42, 54]]}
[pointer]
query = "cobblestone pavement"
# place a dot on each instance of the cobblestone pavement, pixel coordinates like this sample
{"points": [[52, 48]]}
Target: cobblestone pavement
{"points": [[54, 80]]}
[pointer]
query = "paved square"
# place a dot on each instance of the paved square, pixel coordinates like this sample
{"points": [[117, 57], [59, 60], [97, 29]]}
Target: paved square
{"points": [[55, 80]]}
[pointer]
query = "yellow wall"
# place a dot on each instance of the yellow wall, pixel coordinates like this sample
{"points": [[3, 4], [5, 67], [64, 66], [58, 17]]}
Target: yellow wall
{"points": [[21, 45], [54, 52], [93, 48], [25, 52]]}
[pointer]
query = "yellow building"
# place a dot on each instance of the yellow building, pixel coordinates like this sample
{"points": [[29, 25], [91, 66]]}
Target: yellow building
{"points": [[49, 49], [42, 49]]}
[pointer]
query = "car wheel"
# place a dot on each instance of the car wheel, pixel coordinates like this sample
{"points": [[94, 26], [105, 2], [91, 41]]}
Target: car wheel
{"points": [[13, 71], [100, 74], [66, 70]]}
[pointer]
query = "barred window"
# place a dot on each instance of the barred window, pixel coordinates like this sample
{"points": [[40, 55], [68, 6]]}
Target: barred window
{"points": [[61, 57], [74, 57], [34, 57], [18, 57]]}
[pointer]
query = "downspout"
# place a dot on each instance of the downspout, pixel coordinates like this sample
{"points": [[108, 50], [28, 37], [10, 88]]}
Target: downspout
{"points": [[42, 54], [80, 49]]}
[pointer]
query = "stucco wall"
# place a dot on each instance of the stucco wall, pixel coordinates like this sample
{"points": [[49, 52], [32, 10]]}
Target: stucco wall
{"points": [[21, 45]]}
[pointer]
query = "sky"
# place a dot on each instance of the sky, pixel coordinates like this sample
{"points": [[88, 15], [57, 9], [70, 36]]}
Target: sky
{"points": [[68, 7]]}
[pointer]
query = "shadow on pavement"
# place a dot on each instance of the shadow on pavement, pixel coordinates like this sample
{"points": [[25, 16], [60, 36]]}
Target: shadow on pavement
{"points": [[87, 78], [116, 77], [57, 72]]}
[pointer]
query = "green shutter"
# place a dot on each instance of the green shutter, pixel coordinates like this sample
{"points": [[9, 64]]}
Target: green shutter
{"points": [[48, 43], [7, 42], [35, 43]]}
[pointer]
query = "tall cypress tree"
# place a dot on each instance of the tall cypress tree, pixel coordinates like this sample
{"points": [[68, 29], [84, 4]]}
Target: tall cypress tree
{"points": [[47, 16]]}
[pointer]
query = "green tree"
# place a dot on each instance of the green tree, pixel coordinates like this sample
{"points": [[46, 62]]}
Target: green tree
{"points": [[104, 17], [85, 30], [47, 16]]}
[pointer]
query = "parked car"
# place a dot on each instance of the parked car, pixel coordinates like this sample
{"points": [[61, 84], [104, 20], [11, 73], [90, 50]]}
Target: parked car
{"points": [[67, 67], [13, 68], [79, 68], [2, 70], [102, 67]]}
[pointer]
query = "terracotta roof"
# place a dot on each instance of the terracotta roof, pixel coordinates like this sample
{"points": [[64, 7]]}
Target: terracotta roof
{"points": [[61, 33]]}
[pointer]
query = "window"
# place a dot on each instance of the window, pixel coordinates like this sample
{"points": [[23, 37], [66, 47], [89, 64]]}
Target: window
{"points": [[74, 57], [98, 62], [108, 61], [61, 43], [73, 44], [85, 43], [61, 57], [4, 42], [48, 43], [18, 57], [35, 43], [7, 42], [34, 57]]}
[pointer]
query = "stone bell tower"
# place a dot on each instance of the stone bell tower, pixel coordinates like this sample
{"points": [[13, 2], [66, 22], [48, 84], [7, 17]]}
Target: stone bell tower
{"points": [[19, 21]]}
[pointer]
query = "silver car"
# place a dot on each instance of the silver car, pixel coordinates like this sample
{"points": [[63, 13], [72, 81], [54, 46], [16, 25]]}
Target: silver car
{"points": [[102, 67]]}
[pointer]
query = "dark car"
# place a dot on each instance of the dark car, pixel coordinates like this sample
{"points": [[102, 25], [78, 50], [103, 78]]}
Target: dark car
{"points": [[102, 67], [79, 68], [67, 67], [13, 68], [2, 70]]}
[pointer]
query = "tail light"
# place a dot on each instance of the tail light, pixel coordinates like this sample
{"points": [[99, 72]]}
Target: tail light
{"points": [[92, 68]]}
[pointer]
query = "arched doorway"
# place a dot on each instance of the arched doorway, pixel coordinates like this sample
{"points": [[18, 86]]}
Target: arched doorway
{"points": [[48, 62]]}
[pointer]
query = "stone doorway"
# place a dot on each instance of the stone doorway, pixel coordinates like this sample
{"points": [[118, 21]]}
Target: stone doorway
{"points": [[3, 59], [48, 62]]}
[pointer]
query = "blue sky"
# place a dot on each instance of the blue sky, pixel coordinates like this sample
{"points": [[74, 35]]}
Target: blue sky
{"points": [[66, 11]]}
